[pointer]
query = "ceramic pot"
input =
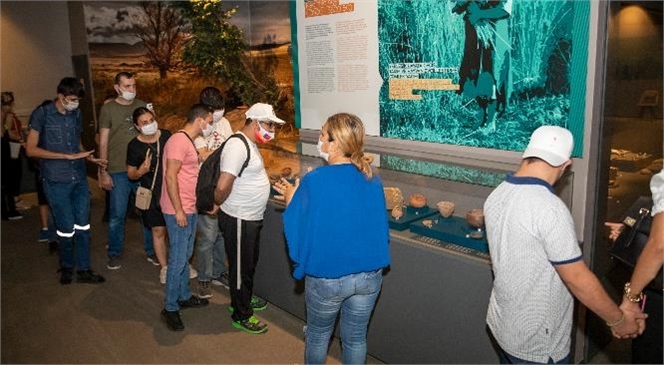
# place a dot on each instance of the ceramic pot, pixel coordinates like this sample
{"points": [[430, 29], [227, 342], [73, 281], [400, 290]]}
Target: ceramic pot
{"points": [[417, 200], [475, 218], [445, 208]]}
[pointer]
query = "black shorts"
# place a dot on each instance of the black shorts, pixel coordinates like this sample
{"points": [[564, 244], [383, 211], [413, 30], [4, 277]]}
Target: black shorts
{"points": [[152, 218]]}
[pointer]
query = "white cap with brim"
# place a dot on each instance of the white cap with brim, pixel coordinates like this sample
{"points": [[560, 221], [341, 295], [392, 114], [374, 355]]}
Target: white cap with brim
{"points": [[551, 144], [263, 113]]}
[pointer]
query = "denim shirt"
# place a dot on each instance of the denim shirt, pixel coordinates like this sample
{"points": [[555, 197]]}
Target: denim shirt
{"points": [[59, 133]]}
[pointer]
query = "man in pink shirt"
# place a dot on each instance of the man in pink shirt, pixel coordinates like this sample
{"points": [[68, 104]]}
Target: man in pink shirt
{"points": [[178, 204]]}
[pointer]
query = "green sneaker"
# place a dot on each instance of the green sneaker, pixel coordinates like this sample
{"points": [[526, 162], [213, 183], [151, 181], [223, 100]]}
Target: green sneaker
{"points": [[257, 304], [251, 325]]}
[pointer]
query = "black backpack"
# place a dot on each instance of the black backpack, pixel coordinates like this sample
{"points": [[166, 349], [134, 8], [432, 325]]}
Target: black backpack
{"points": [[209, 174]]}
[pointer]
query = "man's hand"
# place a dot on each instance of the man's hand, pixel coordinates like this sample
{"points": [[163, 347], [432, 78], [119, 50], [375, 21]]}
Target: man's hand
{"points": [[105, 181], [633, 325], [214, 211], [80, 155], [181, 218]]}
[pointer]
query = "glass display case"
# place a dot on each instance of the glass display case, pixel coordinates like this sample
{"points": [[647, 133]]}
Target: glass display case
{"points": [[464, 185]]}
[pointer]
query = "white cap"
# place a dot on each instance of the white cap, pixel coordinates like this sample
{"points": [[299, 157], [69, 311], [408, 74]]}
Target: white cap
{"points": [[263, 113], [551, 144]]}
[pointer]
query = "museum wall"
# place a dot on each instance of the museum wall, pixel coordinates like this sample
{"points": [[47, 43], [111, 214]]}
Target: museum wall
{"points": [[635, 69], [35, 51]]}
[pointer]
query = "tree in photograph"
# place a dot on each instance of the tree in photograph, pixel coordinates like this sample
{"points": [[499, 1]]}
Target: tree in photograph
{"points": [[161, 30], [217, 49]]}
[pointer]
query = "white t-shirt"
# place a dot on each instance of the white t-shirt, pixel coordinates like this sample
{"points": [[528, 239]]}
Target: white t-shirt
{"points": [[221, 131], [248, 198], [529, 230], [657, 190]]}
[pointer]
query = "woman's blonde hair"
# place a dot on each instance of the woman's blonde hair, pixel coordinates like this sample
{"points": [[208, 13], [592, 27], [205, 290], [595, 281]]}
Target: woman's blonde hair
{"points": [[347, 131]]}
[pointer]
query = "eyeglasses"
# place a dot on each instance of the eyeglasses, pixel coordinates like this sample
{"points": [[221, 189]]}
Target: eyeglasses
{"points": [[270, 124]]}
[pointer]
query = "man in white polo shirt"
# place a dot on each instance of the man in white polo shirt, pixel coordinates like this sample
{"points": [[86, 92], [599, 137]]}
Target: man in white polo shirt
{"points": [[537, 262]]}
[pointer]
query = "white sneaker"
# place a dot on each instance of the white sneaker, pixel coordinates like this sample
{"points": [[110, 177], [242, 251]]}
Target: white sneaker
{"points": [[162, 274], [193, 274], [20, 205]]}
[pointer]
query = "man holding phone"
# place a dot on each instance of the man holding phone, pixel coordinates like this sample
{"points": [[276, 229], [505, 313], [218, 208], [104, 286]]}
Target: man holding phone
{"points": [[55, 139]]}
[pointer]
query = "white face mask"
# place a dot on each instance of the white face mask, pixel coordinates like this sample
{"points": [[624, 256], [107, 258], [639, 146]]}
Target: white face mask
{"points": [[69, 105], [128, 95], [207, 130], [217, 115], [150, 129], [322, 154]]}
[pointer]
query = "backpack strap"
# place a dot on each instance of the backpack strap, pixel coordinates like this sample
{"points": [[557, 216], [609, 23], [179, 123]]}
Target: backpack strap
{"points": [[190, 140], [246, 145]]}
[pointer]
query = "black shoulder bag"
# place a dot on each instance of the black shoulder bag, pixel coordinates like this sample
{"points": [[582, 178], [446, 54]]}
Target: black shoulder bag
{"points": [[633, 238]]}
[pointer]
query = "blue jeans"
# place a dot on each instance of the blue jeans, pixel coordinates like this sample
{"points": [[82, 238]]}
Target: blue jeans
{"points": [[70, 206], [210, 248], [506, 358], [181, 247], [355, 296], [118, 200]]}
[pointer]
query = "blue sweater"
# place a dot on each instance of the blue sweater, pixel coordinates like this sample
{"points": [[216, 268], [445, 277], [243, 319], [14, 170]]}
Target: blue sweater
{"points": [[336, 223]]}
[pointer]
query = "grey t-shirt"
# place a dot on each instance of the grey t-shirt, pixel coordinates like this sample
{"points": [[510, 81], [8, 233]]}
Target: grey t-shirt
{"points": [[118, 119]]}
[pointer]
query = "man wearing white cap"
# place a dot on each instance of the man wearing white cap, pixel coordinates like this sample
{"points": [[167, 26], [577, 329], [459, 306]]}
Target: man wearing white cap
{"points": [[243, 199], [537, 263]]}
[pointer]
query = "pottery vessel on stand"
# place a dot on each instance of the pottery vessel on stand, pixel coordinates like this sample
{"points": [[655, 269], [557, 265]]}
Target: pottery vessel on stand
{"points": [[445, 208], [475, 218], [417, 200]]}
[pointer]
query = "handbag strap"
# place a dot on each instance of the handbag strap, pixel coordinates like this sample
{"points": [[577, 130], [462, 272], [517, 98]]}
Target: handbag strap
{"points": [[154, 177]]}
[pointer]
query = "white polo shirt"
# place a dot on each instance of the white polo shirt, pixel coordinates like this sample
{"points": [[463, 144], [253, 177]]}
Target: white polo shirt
{"points": [[529, 229]]}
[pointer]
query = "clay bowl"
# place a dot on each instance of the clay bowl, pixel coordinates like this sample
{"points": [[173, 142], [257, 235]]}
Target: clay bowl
{"points": [[475, 218], [445, 208], [417, 200]]}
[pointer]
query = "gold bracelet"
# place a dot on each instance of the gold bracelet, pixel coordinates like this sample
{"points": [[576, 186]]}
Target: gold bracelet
{"points": [[634, 298], [618, 322]]}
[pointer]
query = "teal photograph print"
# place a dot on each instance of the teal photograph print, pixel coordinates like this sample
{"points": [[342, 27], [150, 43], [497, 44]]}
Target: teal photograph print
{"points": [[482, 73]]}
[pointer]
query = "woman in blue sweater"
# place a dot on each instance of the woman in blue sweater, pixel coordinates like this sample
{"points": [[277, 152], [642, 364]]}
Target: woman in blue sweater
{"points": [[337, 233]]}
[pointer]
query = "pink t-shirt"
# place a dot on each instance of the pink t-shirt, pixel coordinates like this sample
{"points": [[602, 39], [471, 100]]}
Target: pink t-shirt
{"points": [[179, 147]]}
